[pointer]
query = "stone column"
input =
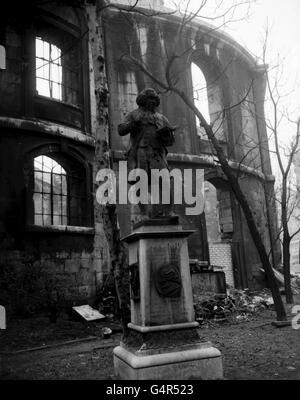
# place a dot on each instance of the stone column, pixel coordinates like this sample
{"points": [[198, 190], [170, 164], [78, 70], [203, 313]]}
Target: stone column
{"points": [[163, 342]]}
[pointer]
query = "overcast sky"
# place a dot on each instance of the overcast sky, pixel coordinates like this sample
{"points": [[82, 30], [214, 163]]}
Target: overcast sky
{"points": [[283, 16], [283, 19]]}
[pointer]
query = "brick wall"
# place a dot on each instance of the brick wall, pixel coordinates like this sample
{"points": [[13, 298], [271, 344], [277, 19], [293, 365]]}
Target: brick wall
{"points": [[221, 258]]}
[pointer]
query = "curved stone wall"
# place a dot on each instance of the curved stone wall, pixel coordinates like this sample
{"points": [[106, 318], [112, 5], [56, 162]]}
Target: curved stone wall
{"points": [[235, 89]]}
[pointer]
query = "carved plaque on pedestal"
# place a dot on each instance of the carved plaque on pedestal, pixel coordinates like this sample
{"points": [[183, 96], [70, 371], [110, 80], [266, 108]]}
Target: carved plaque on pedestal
{"points": [[166, 271]]}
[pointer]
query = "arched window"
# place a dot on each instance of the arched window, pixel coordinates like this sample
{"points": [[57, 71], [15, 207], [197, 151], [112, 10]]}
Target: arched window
{"points": [[50, 192], [200, 96], [59, 192], [208, 97]]}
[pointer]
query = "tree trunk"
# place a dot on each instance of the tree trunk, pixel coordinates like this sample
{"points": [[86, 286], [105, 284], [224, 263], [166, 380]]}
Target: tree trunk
{"points": [[255, 234], [286, 243], [119, 262], [287, 270], [234, 184]]}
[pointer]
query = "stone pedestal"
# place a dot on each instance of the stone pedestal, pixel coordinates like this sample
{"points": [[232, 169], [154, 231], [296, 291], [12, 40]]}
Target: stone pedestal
{"points": [[163, 340]]}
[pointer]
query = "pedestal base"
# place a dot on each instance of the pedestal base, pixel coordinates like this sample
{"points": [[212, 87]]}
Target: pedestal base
{"points": [[163, 341], [203, 362]]}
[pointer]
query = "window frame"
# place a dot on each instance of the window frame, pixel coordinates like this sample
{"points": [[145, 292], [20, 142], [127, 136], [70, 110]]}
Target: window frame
{"points": [[47, 108], [210, 67], [50, 63], [69, 162], [52, 193]]}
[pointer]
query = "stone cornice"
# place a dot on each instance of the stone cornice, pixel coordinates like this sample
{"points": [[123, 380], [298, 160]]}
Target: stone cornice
{"points": [[37, 125], [208, 161]]}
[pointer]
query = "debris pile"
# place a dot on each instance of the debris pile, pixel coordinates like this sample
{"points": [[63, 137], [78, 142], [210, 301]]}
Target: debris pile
{"points": [[251, 302], [295, 283], [295, 280], [218, 307], [236, 303]]}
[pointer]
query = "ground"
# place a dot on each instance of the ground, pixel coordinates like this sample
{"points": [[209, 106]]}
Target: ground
{"points": [[252, 348]]}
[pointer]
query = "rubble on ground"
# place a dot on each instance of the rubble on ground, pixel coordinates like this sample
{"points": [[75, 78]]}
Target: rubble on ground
{"points": [[237, 304], [295, 283], [88, 313], [295, 280]]}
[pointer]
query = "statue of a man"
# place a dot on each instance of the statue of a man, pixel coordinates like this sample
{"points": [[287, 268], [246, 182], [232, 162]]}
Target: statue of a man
{"points": [[150, 135]]}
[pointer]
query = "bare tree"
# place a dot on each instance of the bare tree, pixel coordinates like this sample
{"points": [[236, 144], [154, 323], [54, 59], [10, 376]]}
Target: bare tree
{"points": [[171, 83], [285, 156]]}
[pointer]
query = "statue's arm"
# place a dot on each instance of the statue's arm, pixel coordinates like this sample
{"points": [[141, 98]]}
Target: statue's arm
{"points": [[164, 125], [166, 121], [166, 132], [126, 126]]}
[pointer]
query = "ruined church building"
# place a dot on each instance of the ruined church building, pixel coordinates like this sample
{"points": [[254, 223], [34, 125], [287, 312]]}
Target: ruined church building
{"points": [[64, 88]]}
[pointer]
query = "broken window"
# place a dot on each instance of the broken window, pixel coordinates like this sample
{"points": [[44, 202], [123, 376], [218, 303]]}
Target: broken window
{"points": [[56, 79], [58, 66], [48, 69], [59, 193], [207, 94], [200, 96], [50, 192]]}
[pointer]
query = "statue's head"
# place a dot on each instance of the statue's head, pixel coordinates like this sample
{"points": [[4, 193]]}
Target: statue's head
{"points": [[148, 98]]}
